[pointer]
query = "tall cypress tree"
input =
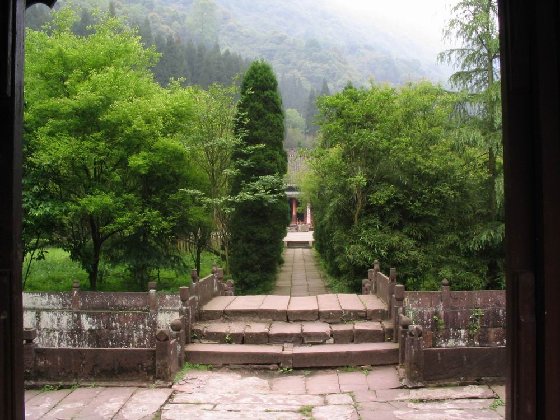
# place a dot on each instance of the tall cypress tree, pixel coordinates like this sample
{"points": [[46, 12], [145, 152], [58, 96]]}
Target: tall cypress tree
{"points": [[260, 217]]}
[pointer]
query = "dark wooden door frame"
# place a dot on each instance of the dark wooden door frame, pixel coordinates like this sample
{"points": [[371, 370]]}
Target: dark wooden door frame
{"points": [[530, 86], [530, 43]]}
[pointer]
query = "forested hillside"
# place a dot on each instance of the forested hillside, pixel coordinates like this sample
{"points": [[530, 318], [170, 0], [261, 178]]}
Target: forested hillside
{"points": [[308, 43]]}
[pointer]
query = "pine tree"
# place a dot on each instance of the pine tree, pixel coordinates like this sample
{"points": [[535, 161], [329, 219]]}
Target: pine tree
{"points": [[261, 213], [474, 24]]}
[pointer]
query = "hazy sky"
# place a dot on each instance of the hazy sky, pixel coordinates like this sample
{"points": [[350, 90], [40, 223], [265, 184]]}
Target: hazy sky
{"points": [[417, 19]]}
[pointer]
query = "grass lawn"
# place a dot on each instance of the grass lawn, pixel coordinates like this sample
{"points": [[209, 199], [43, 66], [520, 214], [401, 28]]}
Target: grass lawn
{"points": [[57, 271]]}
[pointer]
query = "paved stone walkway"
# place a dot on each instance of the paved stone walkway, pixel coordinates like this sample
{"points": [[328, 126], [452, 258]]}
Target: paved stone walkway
{"points": [[244, 394], [299, 275]]}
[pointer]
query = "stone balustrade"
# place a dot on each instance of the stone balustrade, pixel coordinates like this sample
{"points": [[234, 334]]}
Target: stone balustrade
{"points": [[113, 335]]}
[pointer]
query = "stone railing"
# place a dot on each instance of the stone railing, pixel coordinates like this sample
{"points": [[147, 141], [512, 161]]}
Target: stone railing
{"points": [[443, 335], [82, 335]]}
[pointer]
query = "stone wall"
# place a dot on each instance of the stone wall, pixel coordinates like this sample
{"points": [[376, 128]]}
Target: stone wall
{"points": [[443, 335], [458, 318], [110, 335]]}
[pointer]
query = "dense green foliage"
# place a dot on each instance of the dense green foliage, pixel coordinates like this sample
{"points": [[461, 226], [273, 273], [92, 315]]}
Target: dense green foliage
{"points": [[475, 24], [258, 223], [208, 41], [389, 183], [105, 151]]}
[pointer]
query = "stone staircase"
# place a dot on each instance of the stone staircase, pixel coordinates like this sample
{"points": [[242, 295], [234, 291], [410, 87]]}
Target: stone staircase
{"points": [[327, 330]]}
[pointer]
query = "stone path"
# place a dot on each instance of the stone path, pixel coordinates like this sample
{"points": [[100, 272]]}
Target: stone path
{"points": [[299, 275], [240, 394]]}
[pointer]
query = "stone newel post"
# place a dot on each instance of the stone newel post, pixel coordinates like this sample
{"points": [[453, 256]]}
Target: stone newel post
{"points": [[398, 302], [414, 357]]}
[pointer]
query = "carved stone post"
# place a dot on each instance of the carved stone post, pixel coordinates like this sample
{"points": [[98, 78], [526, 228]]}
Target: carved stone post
{"points": [[404, 324], [179, 335], [229, 288], [398, 302], [75, 295], [391, 288], [445, 306], [445, 294], [185, 312], [152, 296], [414, 357], [29, 335], [166, 356], [376, 269], [220, 279], [366, 285]]}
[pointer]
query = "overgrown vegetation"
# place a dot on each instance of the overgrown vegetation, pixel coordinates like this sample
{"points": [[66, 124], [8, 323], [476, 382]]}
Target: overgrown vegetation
{"points": [[411, 176], [127, 177]]}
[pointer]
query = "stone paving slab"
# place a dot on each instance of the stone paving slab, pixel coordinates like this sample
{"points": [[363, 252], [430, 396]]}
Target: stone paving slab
{"points": [[342, 412], [299, 275], [225, 394], [329, 308], [143, 404], [42, 403], [221, 354], [383, 377], [368, 332], [315, 332], [256, 333], [184, 412], [352, 381], [346, 355], [352, 307], [31, 393], [342, 333], [274, 307], [248, 397], [303, 308], [216, 307], [375, 307], [244, 306], [284, 332], [107, 404], [71, 405]]}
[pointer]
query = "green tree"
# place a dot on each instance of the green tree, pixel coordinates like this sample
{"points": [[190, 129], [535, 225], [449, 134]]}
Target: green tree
{"points": [[475, 25], [102, 139], [387, 183], [259, 220], [212, 141]]}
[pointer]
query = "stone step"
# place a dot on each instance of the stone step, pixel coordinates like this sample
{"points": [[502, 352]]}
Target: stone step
{"points": [[326, 355], [332, 308], [280, 332]]}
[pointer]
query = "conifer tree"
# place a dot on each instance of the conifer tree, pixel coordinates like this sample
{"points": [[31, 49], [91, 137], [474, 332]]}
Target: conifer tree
{"points": [[260, 217]]}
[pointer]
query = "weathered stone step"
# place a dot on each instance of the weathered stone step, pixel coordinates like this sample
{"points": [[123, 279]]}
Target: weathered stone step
{"points": [[279, 332], [332, 308], [327, 355]]}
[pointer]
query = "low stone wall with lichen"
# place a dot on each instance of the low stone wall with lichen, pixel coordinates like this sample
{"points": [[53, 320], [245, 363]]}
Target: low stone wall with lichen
{"points": [[458, 318]]}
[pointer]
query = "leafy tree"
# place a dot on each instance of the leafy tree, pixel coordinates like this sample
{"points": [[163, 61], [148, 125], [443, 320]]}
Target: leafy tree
{"points": [[475, 25], [212, 141], [102, 145], [259, 220], [387, 183]]}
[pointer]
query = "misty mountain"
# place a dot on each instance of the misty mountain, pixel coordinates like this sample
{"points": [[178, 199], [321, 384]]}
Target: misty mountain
{"points": [[307, 42]]}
